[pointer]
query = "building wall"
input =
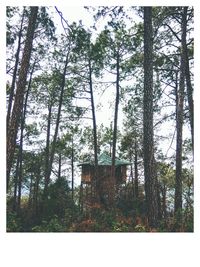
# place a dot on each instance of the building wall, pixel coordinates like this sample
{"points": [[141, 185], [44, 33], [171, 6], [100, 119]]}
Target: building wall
{"points": [[104, 173], [87, 173]]}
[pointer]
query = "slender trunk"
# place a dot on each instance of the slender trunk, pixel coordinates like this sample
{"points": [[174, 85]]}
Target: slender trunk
{"points": [[81, 198], [20, 175], [36, 191], [178, 180], [47, 145], [149, 161], [159, 200], [96, 171], [179, 121], [113, 181], [57, 126], [12, 89], [21, 85], [187, 75], [16, 185], [30, 198], [132, 181], [59, 165], [110, 141], [136, 170], [164, 205], [190, 98], [72, 168], [22, 139]]}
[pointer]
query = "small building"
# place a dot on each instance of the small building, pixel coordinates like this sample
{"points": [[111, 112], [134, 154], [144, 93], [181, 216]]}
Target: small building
{"points": [[104, 165], [104, 173]]}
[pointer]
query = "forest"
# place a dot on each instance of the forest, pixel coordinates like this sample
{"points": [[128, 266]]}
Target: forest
{"points": [[99, 119]]}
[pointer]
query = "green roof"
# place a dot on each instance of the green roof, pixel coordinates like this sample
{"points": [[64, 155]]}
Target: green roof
{"points": [[105, 160]]}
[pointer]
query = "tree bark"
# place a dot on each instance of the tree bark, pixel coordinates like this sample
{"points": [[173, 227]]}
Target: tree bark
{"points": [[12, 89], [72, 167], [47, 152], [36, 191], [113, 181], [187, 70], [132, 181], [96, 171], [16, 184], [159, 200], [136, 170], [47, 179], [30, 197], [164, 205], [59, 165], [190, 98], [187, 74], [179, 120], [149, 161], [21, 85], [23, 118]]}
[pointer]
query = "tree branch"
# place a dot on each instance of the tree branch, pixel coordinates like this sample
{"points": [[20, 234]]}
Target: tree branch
{"points": [[174, 33]]}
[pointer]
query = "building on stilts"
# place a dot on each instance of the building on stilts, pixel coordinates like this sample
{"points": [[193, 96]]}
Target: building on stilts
{"points": [[103, 186]]}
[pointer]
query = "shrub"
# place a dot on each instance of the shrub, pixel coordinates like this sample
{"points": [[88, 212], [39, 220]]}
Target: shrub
{"points": [[140, 228], [52, 226], [13, 222]]}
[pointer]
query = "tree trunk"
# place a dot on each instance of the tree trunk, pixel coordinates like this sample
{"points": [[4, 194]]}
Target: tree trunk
{"points": [[20, 171], [47, 180], [113, 181], [72, 168], [187, 75], [149, 161], [110, 141], [164, 205], [159, 200], [190, 98], [179, 120], [136, 171], [132, 181], [59, 165], [21, 85], [36, 191], [16, 184], [96, 171], [81, 198], [12, 89], [30, 198], [22, 140], [47, 152]]}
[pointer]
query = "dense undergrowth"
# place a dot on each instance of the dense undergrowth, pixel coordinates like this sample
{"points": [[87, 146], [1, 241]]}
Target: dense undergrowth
{"points": [[97, 219]]}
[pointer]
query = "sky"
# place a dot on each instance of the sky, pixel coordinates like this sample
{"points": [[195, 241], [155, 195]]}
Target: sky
{"points": [[146, 249]]}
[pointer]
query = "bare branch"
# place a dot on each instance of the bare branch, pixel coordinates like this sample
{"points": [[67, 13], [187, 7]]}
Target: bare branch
{"points": [[174, 33], [163, 119], [170, 147]]}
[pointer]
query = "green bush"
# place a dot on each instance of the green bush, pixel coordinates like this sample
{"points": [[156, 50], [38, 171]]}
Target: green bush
{"points": [[189, 220], [13, 222], [120, 227], [140, 228], [52, 226]]}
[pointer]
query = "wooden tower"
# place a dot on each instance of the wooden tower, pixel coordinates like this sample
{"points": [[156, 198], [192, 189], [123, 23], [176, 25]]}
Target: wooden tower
{"points": [[104, 171]]}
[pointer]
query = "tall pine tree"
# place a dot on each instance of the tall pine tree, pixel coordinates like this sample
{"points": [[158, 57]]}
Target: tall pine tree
{"points": [[149, 160]]}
